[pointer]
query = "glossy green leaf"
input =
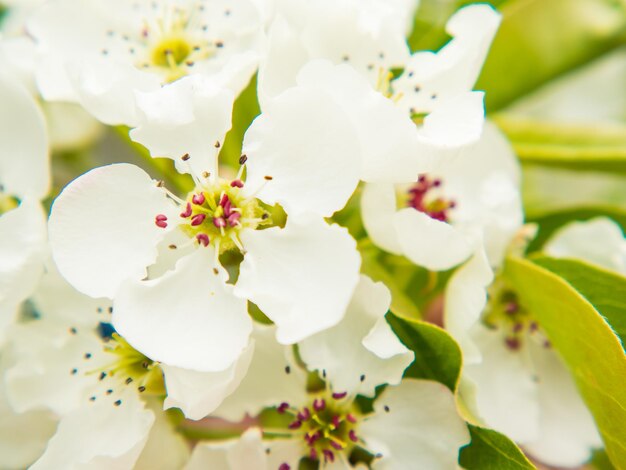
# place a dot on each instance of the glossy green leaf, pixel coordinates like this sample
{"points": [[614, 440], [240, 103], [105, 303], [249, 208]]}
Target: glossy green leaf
{"points": [[599, 286], [591, 350], [490, 450], [550, 223], [437, 356]]}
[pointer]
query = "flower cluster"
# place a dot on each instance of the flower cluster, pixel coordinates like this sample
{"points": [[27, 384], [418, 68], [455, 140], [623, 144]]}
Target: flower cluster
{"points": [[252, 276]]}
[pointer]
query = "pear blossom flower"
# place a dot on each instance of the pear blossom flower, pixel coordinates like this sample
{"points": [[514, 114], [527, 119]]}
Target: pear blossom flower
{"points": [[438, 221], [24, 181], [403, 122], [109, 227], [408, 426], [119, 48], [515, 381], [107, 396]]}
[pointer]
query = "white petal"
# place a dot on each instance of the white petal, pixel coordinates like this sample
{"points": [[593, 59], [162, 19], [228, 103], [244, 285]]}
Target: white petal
{"points": [[273, 377], [378, 206], [102, 228], [430, 243], [43, 380], [456, 121], [302, 153], [23, 250], [302, 277], [193, 319], [187, 116], [361, 352], [465, 299], [483, 179], [247, 452], [567, 433], [389, 147], [599, 241], [99, 436], [430, 79], [199, 393], [23, 436], [166, 448], [24, 164], [285, 55], [106, 88], [506, 394], [422, 428]]}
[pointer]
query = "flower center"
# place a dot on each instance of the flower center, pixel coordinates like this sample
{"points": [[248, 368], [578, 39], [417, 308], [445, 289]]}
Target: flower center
{"points": [[214, 214], [327, 426], [504, 311], [170, 52], [423, 196]]}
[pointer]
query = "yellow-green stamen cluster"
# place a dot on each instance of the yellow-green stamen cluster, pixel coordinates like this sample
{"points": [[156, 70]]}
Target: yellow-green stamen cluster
{"points": [[328, 425]]}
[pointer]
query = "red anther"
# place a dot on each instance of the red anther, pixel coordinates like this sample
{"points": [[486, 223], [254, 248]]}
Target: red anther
{"points": [[203, 239], [282, 407], [223, 199], [236, 184], [233, 219], [187, 212], [339, 396], [336, 421], [313, 454], [160, 221], [421, 178], [197, 219], [336, 445], [350, 417], [452, 204], [517, 327], [198, 199], [284, 466], [352, 436], [219, 222], [436, 182], [304, 414], [319, 404], [511, 307], [512, 343], [328, 455], [295, 425], [227, 207], [533, 327]]}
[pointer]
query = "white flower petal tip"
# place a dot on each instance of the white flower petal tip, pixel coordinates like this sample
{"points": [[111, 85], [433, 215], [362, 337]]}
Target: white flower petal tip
{"points": [[301, 154], [361, 352], [402, 413], [302, 277], [187, 318], [102, 228], [599, 241], [190, 116], [199, 393], [99, 435], [24, 162]]}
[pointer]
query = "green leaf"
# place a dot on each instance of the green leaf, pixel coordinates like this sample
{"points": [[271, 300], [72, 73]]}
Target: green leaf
{"points": [[600, 461], [550, 223], [437, 356], [599, 286], [575, 146], [490, 450], [588, 345], [400, 302], [245, 109]]}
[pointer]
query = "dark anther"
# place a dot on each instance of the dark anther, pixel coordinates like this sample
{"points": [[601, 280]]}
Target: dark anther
{"points": [[243, 159], [386, 409], [117, 403]]}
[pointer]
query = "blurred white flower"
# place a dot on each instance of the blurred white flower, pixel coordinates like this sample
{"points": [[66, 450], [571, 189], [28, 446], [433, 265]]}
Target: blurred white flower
{"points": [[119, 48], [440, 220]]}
